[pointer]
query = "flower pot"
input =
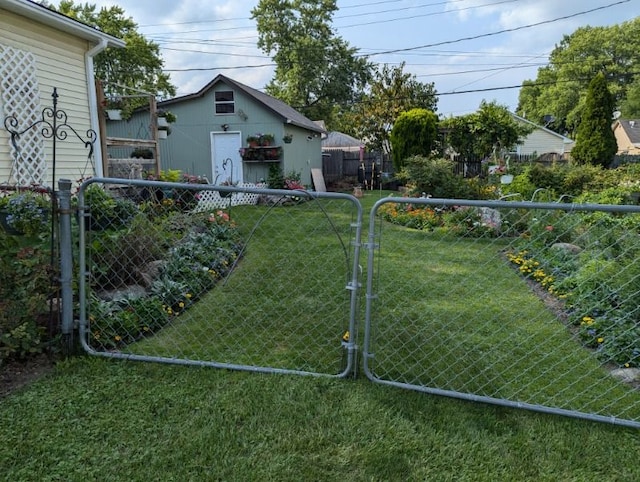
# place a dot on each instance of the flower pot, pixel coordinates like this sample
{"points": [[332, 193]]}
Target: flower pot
{"points": [[162, 134], [162, 122], [114, 114]]}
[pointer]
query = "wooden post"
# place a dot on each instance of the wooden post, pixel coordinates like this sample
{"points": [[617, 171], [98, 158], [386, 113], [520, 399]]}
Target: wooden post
{"points": [[153, 111]]}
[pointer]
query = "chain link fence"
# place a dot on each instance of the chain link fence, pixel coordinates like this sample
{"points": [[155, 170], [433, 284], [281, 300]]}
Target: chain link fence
{"points": [[520, 304], [234, 277]]}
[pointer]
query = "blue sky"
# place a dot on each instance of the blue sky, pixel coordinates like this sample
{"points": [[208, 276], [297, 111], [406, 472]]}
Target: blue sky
{"points": [[471, 49]]}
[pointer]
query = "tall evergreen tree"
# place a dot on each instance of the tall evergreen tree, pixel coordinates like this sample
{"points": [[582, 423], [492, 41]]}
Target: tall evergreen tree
{"points": [[595, 142]]}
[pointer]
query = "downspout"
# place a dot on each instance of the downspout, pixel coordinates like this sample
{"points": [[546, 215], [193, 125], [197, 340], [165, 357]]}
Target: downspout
{"points": [[93, 103]]}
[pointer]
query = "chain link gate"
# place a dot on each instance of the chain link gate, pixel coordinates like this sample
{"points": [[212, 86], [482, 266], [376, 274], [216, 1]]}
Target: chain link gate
{"points": [[230, 277], [529, 305], [520, 304]]}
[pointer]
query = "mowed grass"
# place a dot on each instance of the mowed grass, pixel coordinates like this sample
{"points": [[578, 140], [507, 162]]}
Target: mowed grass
{"points": [[285, 305], [97, 419], [100, 419]]}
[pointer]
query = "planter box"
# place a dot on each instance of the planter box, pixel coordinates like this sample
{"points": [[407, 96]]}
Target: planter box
{"points": [[114, 114]]}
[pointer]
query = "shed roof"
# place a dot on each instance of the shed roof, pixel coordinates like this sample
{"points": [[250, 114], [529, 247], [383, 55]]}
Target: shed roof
{"points": [[288, 114], [340, 141]]}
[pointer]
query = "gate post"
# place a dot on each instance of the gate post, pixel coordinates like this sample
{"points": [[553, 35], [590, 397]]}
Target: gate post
{"points": [[66, 263]]}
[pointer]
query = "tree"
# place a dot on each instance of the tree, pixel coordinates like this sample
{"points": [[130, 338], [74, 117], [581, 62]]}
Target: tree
{"points": [[596, 142], [414, 133], [390, 93], [630, 107], [488, 130], [561, 87], [315, 69], [138, 66]]}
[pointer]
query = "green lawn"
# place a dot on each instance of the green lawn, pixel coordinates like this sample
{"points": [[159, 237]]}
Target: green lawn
{"points": [[96, 419], [99, 419]]}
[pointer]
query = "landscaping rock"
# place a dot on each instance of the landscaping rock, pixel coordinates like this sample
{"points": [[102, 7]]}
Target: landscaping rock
{"points": [[127, 293], [150, 272], [567, 247], [627, 375], [491, 217]]}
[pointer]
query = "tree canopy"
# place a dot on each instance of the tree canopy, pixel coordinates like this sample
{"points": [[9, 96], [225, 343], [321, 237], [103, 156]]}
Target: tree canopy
{"points": [[479, 134], [315, 68], [390, 92], [561, 86], [138, 66]]}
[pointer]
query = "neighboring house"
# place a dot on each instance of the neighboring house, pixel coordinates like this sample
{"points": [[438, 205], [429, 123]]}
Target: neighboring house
{"points": [[213, 125], [542, 141], [627, 134], [41, 50]]}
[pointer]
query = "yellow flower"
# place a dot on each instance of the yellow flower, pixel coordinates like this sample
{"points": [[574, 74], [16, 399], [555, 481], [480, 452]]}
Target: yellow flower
{"points": [[345, 337], [181, 304], [188, 295], [600, 340], [117, 338]]}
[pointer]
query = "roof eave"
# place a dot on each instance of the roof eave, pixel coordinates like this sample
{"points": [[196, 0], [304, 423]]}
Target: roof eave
{"points": [[59, 21]]}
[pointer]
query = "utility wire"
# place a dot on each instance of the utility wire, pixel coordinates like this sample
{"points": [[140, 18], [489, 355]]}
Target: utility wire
{"points": [[491, 34]]}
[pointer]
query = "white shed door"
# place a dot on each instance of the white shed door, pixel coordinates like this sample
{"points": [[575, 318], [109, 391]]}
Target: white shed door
{"points": [[225, 157]]}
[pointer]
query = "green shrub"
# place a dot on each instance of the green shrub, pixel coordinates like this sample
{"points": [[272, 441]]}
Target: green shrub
{"points": [[25, 285], [433, 177]]}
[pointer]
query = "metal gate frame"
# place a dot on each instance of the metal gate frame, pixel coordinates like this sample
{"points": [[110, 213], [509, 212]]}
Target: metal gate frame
{"points": [[353, 286], [373, 246]]}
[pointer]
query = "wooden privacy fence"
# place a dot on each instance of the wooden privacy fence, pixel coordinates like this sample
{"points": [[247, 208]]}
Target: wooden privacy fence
{"points": [[345, 165]]}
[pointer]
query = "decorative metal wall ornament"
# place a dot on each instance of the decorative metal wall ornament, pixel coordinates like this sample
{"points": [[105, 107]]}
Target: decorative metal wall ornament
{"points": [[53, 125]]}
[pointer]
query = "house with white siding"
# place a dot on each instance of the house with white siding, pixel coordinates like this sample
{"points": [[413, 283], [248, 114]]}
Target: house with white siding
{"points": [[542, 141], [42, 50]]}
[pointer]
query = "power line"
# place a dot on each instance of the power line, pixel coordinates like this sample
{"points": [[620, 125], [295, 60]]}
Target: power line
{"points": [[432, 14], [490, 34]]}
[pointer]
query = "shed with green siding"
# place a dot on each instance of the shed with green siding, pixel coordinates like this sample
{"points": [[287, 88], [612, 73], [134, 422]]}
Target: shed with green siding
{"points": [[210, 134]]}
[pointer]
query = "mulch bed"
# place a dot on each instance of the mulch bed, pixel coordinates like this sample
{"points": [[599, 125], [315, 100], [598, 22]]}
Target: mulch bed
{"points": [[18, 373]]}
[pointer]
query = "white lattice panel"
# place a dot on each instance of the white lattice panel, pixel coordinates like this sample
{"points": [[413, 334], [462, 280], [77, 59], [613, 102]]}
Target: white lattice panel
{"points": [[212, 200], [21, 99]]}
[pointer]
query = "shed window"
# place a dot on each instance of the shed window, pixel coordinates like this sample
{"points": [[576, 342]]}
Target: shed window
{"points": [[224, 102]]}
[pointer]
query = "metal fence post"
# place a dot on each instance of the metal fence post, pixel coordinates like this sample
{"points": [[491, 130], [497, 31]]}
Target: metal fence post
{"points": [[66, 262]]}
